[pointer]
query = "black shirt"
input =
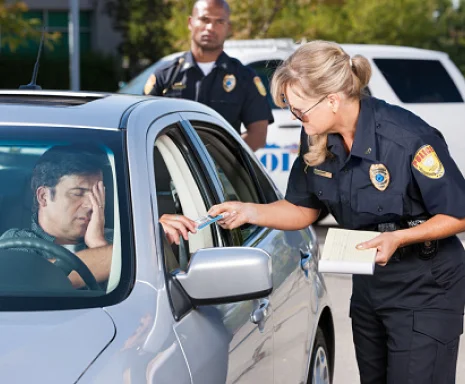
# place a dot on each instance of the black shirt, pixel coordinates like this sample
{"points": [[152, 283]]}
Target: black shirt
{"points": [[232, 89], [422, 178]]}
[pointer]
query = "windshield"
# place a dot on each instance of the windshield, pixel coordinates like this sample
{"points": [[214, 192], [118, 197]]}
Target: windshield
{"points": [[136, 85], [62, 191]]}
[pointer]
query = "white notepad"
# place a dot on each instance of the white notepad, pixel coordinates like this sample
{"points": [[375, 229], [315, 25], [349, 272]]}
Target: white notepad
{"points": [[341, 256]]}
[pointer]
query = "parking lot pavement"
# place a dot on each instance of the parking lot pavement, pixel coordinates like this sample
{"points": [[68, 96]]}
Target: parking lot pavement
{"points": [[340, 288]]}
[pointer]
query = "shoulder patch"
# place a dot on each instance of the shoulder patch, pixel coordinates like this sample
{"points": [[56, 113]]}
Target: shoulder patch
{"points": [[427, 162], [151, 81], [258, 83]]}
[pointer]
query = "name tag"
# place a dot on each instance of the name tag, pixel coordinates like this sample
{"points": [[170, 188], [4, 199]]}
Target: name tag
{"points": [[319, 172], [177, 86]]}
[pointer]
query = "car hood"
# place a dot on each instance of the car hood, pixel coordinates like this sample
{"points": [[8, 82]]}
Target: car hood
{"points": [[52, 346]]}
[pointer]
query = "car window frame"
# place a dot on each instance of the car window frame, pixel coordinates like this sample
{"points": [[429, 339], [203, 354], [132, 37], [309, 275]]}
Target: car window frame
{"points": [[127, 273], [196, 157], [190, 121]]}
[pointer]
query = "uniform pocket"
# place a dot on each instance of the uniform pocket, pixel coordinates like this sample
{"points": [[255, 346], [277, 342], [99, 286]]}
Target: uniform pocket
{"points": [[229, 108], [173, 93], [439, 325], [447, 267], [379, 203], [325, 189], [435, 342]]}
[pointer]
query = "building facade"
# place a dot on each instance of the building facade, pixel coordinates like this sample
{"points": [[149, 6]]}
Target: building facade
{"points": [[96, 30]]}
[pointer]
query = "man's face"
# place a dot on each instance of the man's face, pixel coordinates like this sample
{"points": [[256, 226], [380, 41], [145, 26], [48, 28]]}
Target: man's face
{"points": [[209, 26], [67, 212]]}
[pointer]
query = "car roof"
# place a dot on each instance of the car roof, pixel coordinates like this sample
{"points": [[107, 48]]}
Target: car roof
{"points": [[271, 47], [64, 108], [391, 51], [88, 109], [266, 50]]}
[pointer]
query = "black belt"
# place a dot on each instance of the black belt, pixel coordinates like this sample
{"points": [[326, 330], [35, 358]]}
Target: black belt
{"points": [[393, 226], [425, 250]]}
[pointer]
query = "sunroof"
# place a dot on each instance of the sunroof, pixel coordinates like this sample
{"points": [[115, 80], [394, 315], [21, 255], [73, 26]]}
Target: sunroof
{"points": [[56, 100]]}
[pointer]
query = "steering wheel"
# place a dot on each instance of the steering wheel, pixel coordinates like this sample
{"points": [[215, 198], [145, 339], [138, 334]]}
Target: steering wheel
{"points": [[68, 258]]}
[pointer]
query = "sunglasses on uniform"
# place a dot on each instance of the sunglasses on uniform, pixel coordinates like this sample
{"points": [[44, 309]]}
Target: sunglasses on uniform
{"points": [[299, 115]]}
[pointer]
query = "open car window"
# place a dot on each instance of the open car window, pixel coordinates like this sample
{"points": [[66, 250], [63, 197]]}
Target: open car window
{"points": [[47, 220]]}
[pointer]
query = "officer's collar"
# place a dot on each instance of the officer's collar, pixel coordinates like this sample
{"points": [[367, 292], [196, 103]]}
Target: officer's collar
{"points": [[222, 61], [364, 144], [189, 61]]}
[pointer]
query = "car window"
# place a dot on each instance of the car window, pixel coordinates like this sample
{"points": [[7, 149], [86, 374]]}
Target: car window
{"points": [[60, 199], [265, 69], [178, 192], [234, 170], [136, 85], [419, 81]]}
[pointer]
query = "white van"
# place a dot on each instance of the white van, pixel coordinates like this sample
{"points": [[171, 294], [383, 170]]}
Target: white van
{"points": [[422, 81]]}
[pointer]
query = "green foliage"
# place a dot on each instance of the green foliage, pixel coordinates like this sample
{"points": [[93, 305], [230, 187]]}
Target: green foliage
{"points": [[16, 29], [397, 22], [253, 19], [143, 27], [431, 24], [453, 41], [177, 24]]}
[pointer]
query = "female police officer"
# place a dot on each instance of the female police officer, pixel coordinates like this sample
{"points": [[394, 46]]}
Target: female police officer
{"points": [[377, 167]]}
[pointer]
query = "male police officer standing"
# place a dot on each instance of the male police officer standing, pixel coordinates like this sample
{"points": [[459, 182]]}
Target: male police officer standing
{"points": [[206, 74]]}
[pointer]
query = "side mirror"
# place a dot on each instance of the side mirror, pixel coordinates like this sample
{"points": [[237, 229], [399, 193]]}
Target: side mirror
{"points": [[225, 275]]}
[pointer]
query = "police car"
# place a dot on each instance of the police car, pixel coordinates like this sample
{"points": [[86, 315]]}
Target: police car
{"points": [[425, 82]]}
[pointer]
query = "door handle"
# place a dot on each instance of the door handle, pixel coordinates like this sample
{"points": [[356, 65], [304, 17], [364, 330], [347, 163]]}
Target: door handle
{"points": [[305, 258], [259, 313]]}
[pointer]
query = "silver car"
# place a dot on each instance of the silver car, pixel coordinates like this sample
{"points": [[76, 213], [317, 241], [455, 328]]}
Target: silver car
{"points": [[240, 306]]}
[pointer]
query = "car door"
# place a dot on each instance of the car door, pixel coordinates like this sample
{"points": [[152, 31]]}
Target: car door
{"points": [[209, 335], [242, 178]]}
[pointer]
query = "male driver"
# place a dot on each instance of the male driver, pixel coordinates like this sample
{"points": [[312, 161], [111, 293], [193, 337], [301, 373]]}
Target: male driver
{"points": [[68, 208], [208, 75]]}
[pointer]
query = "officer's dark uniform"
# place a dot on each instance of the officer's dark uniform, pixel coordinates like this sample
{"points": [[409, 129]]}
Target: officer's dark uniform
{"points": [[408, 316], [231, 89]]}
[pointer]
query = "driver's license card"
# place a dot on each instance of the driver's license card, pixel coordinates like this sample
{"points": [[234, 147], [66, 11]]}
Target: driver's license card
{"points": [[205, 221]]}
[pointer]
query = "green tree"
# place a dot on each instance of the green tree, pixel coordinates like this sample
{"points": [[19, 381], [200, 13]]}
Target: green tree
{"points": [[397, 22], [250, 19], [177, 24], [143, 26], [453, 40], [431, 24], [16, 29]]}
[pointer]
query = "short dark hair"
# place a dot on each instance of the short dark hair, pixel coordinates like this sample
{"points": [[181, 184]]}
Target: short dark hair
{"points": [[64, 160], [216, 3]]}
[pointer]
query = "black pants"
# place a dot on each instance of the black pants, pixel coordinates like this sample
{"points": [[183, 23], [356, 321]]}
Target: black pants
{"points": [[407, 318]]}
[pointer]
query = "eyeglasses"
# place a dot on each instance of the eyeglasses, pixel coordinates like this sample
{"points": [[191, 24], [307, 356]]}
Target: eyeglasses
{"points": [[300, 115]]}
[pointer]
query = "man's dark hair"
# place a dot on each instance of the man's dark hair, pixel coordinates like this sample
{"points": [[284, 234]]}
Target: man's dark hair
{"points": [[64, 160], [216, 3]]}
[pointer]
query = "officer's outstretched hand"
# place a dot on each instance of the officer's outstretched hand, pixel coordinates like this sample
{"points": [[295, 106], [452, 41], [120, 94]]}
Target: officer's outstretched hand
{"points": [[234, 214], [386, 243]]}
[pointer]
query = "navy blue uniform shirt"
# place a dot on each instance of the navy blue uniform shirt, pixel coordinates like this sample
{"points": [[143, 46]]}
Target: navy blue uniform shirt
{"points": [[423, 178], [232, 89]]}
